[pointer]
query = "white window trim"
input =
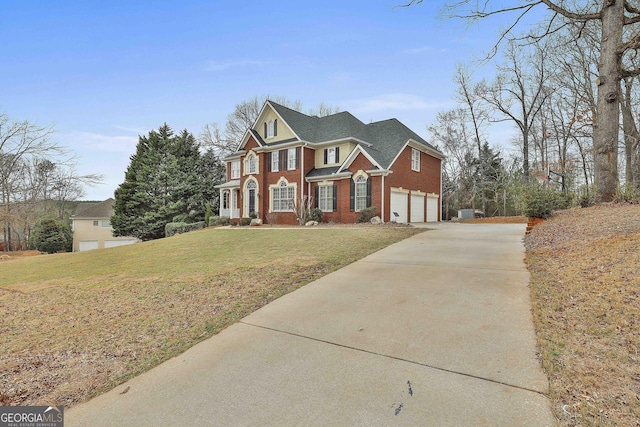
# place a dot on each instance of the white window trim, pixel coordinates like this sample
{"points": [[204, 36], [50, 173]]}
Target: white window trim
{"points": [[331, 155], [247, 163], [270, 129], [291, 159], [235, 171], [282, 184], [325, 201], [275, 161], [415, 159], [360, 183]]}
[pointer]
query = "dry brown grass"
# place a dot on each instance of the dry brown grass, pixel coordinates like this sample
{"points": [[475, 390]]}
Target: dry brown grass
{"points": [[74, 325], [585, 284], [498, 220]]}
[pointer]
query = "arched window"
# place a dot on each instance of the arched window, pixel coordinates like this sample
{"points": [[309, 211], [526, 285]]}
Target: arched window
{"points": [[251, 184], [251, 164], [361, 193], [282, 197], [272, 128]]}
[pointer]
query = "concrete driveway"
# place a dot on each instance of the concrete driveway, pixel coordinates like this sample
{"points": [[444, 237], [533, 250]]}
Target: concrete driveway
{"points": [[432, 331]]}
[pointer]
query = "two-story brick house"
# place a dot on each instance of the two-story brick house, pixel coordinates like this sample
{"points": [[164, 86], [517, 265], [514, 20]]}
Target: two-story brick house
{"points": [[343, 164]]}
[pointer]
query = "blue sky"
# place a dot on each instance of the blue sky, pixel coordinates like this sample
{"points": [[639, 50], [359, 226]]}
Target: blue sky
{"points": [[106, 72]]}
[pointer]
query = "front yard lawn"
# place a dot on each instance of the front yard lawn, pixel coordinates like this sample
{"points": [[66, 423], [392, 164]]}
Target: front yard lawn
{"points": [[74, 325]]}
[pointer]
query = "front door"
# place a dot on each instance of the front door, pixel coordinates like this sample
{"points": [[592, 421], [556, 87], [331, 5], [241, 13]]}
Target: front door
{"points": [[252, 201]]}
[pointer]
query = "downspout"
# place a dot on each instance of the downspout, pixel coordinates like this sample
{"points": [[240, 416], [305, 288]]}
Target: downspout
{"points": [[440, 195], [382, 204], [302, 174]]}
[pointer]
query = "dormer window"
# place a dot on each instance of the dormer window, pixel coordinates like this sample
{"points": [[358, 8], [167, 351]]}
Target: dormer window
{"points": [[271, 128]]}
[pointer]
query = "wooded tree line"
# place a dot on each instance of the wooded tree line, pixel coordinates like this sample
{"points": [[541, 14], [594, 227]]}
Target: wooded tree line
{"points": [[569, 86]]}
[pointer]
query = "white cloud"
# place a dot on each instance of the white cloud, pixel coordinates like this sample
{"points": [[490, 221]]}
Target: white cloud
{"points": [[394, 102]]}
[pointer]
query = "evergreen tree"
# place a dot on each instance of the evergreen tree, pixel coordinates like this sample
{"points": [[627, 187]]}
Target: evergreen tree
{"points": [[166, 180], [51, 235]]}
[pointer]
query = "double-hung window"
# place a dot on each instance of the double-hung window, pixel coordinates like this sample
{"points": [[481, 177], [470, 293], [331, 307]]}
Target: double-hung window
{"points": [[325, 198], [275, 161], [235, 169], [415, 160], [292, 158], [331, 155], [282, 197], [360, 193], [251, 164]]}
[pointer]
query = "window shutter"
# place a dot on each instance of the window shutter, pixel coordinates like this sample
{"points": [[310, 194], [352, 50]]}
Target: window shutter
{"points": [[297, 157], [335, 198], [368, 191], [337, 154], [269, 161], [265, 129], [352, 196], [315, 196], [283, 160], [325, 156], [275, 127]]}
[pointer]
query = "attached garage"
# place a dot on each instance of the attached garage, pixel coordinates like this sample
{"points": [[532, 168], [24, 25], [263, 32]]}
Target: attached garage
{"points": [[114, 243], [417, 206], [432, 207], [87, 245], [399, 205]]}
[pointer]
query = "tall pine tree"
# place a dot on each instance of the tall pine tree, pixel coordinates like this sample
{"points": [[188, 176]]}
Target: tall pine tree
{"points": [[165, 181]]}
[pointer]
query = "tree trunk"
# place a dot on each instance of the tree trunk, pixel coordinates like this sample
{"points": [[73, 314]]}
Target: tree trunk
{"points": [[605, 138], [631, 135]]}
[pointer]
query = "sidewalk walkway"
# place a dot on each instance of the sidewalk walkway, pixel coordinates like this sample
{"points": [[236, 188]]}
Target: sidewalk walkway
{"points": [[432, 331]]}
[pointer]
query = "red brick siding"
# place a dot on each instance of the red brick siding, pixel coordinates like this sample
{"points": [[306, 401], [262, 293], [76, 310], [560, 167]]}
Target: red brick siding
{"points": [[427, 180]]}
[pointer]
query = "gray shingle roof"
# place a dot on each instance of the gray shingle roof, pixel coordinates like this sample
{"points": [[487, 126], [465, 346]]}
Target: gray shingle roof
{"points": [[95, 210], [386, 137], [322, 171]]}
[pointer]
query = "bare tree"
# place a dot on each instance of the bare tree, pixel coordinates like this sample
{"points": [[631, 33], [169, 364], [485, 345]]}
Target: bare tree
{"points": [[243, 117], [19, 141], [323, 110], [620, 36], [518, 93]]}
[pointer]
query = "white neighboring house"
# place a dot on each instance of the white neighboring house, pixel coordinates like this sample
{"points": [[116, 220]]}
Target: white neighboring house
{"points": [[91, 227]]}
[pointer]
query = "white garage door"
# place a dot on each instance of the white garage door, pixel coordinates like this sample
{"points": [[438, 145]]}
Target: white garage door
{"points": [[432, 209], [87, 245], [114, 243], [399, 206], [417, 208]]}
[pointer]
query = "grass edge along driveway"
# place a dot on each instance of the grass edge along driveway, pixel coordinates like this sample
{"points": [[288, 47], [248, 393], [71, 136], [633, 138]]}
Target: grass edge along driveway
{"points": [[77, 324]]}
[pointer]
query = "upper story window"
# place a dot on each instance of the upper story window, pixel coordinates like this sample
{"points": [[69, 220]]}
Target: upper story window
{"points": [[331, 155], [252, 164], [275, 161], [271, 128], [292, 158], [105, 224], [235, 169], [415, 160], [95, 223]]}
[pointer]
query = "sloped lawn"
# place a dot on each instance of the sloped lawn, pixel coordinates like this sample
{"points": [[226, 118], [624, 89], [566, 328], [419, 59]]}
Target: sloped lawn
{"points": [[585, 284], [77, 324]]}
